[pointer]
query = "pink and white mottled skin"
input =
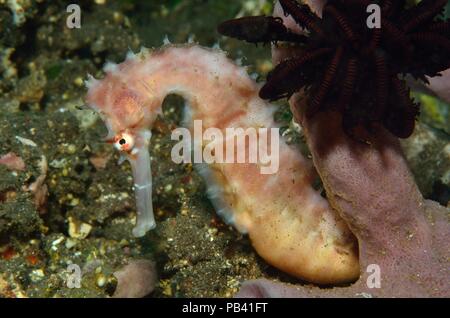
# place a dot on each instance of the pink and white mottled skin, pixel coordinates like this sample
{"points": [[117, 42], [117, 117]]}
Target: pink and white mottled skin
{"points": [[291, 226], [374, 192]]}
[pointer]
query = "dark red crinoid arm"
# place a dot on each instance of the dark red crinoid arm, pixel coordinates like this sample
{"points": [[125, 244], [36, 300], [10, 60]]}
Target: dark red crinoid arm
{"points": [[303, 15], [290, 75], [351, 74], [402, 113], [316, 102], [259, 30], [425, 11]]}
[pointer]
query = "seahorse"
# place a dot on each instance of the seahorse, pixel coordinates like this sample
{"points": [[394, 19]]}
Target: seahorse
{"points": [[289, 223]]}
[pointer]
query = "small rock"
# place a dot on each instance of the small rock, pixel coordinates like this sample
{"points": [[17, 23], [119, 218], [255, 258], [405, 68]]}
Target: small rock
{"points": [[99, 161], [78, 230], [12, 162], [136, 279]]}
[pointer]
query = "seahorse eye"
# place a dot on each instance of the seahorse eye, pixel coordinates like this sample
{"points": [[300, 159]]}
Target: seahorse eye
{"points": [[124, 142]]}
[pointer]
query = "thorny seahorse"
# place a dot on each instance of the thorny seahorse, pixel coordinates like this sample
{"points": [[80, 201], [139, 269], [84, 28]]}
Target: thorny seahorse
{"points": [[289, 223]]}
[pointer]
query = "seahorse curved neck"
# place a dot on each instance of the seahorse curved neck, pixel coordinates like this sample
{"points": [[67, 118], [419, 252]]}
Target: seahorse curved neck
{"points": [[216, 91]]}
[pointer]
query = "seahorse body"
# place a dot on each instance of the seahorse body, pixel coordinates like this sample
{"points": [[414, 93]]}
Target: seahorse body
{"points": [[290, 225]]}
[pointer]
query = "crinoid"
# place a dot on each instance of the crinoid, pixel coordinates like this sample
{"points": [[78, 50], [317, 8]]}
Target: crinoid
{"points": [[350, 67]]}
